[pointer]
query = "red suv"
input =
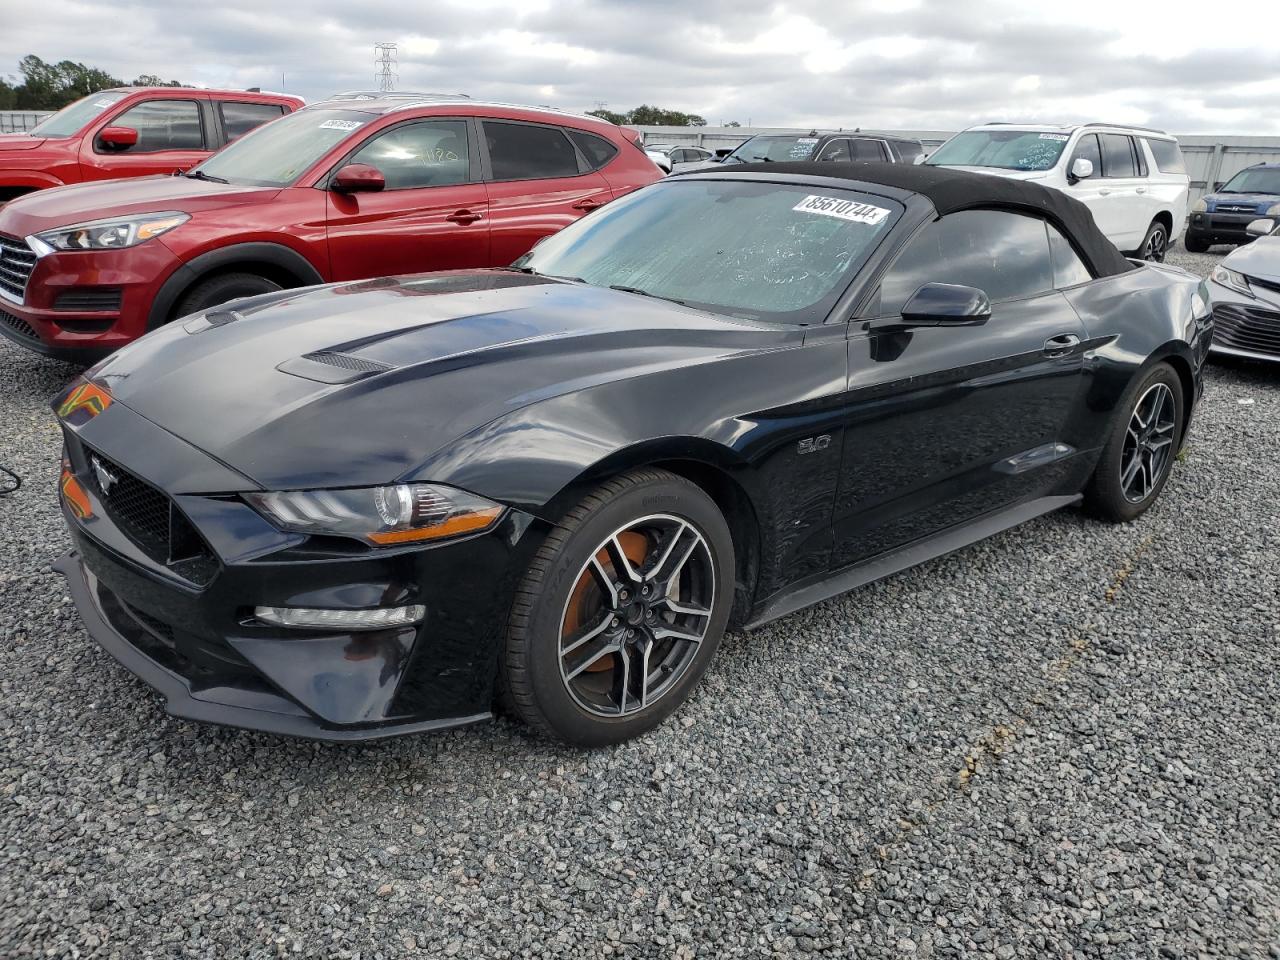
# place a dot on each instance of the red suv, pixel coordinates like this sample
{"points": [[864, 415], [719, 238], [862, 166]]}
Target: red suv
{"points": [[131, 132], [354, 187]]}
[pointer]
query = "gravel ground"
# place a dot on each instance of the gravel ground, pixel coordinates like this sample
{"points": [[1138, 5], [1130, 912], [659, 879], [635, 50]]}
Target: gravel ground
{"points": [[1060, 742]]}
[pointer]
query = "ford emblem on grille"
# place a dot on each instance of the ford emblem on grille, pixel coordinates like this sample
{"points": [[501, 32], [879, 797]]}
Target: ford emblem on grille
{"points": [[106, 479]]}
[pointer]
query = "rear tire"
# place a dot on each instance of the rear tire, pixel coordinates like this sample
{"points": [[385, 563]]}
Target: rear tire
{"points": [[620, 611], [216, 291], [1156, 243], [1138, 457], [1195, 244]]}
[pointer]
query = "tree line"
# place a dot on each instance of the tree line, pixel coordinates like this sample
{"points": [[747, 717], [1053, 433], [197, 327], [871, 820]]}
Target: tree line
{"points": [[51, 86], [647, 116]]}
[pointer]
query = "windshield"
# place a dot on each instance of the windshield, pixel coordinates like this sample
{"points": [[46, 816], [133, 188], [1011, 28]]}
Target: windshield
{"points": [[775, 149], [1003, 149], [1261, 180], [277, 153], [757, 250], [73, 117]]}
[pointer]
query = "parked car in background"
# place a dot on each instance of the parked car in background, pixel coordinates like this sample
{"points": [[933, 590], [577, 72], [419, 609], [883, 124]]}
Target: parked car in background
{"points": [[1224, 215], [840, 146], [342, 190], [369, 509], [1133, 179], [1244, 289], [674, 157], [131, 132]]}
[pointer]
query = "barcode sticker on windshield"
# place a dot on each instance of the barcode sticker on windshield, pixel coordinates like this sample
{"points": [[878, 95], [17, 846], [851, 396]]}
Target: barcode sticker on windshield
{"points": [[844, 209], [1055, 136], [341, 124]]}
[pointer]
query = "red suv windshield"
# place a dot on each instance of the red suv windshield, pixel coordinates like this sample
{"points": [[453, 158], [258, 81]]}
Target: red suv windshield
{"points": [[72, 118], [277, 153]]}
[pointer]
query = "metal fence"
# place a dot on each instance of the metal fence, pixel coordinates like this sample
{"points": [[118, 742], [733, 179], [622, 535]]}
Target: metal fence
{"points": [[16, 121], [1211, 160]]}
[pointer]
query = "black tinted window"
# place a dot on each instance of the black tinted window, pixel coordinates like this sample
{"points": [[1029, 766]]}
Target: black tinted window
{"points": [[1004, 254], [1087, 148], [868, 150], [597, 150], [1068, 268], [239, 118], [522, 151], [836, 150], [164, 125], [908, 150], [432, 153], [1168, 156], [1117, 156]]}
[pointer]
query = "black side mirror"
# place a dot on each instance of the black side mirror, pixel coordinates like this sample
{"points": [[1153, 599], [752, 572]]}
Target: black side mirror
{"points": [[935, 304]]}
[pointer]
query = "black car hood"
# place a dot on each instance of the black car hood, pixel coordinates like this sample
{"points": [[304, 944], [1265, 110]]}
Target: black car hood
{"points": [[357, 384]]}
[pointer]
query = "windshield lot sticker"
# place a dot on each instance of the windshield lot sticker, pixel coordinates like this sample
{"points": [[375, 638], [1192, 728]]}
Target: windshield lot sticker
{"points": [[844, 209], [341, 124], [1062, 137], [802, 147]]}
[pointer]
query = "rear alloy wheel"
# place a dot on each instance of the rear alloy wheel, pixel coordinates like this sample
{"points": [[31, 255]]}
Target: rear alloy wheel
{"points": [[1138, 457], [1156, 243], [621, 610]]}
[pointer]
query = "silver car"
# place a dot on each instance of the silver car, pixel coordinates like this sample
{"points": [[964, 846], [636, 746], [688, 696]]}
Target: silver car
{"points": [[671, 157], [1244, 289]]}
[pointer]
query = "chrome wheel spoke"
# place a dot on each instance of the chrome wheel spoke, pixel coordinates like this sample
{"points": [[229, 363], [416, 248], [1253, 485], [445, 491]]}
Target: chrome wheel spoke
{"points": [[691, 609], [621, 562], [1148, 444], [602, 648], [602, 578], [1131, 471], [665, 631], [666, 552], [587, 634]]}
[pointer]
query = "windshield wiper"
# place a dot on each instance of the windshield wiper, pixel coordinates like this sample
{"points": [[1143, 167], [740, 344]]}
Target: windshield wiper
{"points": [[201, 175], [645, 293]]}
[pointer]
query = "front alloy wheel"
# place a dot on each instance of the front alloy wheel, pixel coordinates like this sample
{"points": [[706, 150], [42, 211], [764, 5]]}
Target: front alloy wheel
{"points": [[636, 614], [620, 611]]}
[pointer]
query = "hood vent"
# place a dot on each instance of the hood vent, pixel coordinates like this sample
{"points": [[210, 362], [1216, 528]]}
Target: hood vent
{"points": [[327, 366]]}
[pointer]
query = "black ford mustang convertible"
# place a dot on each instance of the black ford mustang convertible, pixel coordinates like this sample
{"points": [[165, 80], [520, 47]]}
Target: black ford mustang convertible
{"points": [[363, 510]]}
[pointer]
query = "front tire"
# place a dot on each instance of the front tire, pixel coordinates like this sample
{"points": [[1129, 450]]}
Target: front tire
{"points": [[217, 290], [620, 611], [1195, 244], [1138, 457]]}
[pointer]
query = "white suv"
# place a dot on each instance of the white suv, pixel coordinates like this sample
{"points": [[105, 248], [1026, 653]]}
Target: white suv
{"points": [[1132, 178]]}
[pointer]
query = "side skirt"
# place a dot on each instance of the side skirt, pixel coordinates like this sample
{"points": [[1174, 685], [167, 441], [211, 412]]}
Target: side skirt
{"points": [[807, 593]]}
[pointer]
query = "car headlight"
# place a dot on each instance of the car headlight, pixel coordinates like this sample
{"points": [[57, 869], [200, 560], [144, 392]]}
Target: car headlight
{"points": [[379, 516], [113, 234], [1273, 210], [1229, 278], [1200, 206]]}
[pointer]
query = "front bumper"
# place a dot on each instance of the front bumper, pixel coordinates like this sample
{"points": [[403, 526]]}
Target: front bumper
{"points": [[83, 305], [1243, 326], [1215, 227], [185, 624]]}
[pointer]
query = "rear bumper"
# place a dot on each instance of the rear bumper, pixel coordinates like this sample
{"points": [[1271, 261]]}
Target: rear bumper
{"points": [[255, 707]]}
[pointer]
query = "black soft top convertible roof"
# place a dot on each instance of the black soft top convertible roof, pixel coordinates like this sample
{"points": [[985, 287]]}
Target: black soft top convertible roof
{"points": [[951, 190]]}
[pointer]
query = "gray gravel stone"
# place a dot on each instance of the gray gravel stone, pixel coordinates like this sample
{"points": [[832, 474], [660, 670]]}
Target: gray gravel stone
{"points": [[1000, 754]]}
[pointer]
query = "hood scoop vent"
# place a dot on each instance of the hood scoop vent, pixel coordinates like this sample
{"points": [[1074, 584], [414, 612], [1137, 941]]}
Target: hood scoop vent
{"points": [[327, 366]]}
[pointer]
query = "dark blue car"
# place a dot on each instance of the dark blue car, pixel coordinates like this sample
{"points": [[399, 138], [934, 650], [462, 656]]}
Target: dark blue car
{"points": [[1221, 217]]}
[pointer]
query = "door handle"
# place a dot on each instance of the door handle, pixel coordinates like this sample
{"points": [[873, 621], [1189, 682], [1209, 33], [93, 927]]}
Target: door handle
{"points": [[463, 217], [1142, 189], [587, 205], [1063, 345], [1104, 192]]}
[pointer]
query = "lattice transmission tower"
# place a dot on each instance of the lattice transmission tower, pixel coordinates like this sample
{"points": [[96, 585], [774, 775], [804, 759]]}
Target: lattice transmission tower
{"points": [[384, 58]]}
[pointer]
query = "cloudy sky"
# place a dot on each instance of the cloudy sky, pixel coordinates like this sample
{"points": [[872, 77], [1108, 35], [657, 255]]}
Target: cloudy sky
{"points": [[898, 64]]}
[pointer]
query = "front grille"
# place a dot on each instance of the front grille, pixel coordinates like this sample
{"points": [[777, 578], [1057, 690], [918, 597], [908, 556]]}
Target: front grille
{"points": [[1271, 285], [149, 518], [17, 260], [1247, 328], [89, 298], [19, 326]]}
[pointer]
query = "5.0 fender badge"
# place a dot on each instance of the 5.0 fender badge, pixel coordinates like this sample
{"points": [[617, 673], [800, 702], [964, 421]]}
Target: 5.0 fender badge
{"points": [[814, 444]]}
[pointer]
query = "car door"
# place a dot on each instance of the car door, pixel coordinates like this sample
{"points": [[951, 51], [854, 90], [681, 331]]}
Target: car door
{"points": [[538, 183], [238, 117], [949, 422], [432, 213], [1094, 191], [173, 134], [1125, 177]]}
